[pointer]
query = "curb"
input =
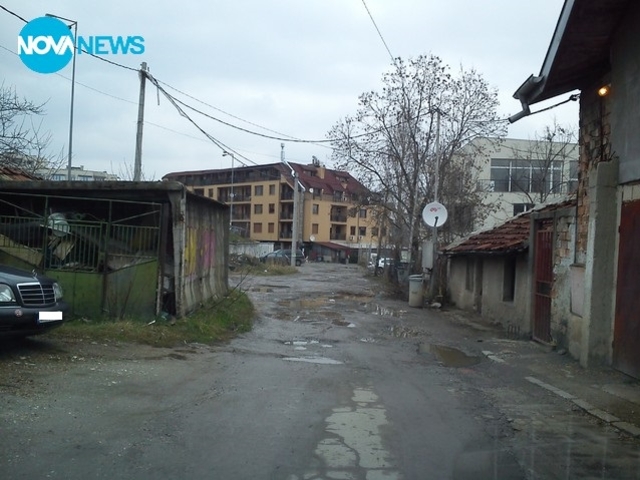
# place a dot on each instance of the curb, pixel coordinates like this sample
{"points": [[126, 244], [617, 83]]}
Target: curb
{"points": [[602, 415]]}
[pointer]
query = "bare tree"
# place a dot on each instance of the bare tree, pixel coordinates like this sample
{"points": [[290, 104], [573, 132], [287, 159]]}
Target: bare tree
{"points": [[543, 168], [23, 144], [422, 114]]}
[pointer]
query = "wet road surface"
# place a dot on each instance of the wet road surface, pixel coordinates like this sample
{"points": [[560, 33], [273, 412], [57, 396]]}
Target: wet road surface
{"points": [[336, 381]]}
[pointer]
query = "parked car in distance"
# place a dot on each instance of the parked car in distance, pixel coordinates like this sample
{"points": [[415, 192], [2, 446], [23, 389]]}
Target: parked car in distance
{"points": [[283, 257], [384, 262], [30, 304]]}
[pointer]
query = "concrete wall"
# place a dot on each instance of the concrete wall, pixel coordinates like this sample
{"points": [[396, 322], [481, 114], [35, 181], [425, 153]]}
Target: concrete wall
{"points": [[511, 314], [458, 292], [567, 303], [252, 249]]}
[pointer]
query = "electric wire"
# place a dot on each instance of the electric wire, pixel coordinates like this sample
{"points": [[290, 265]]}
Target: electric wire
{"points": [[222, 111], [378, 30], [13, 13], [215, 141]]}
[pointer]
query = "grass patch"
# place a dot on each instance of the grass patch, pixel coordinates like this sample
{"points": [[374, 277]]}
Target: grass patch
{"points": [[214, 322]]}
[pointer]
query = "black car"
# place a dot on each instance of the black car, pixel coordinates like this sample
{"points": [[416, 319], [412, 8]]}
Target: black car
{"points": [[30, 304], [283, 257]]}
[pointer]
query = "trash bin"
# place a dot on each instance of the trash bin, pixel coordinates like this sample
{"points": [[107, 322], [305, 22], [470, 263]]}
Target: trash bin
{"points": [[415, 290]]}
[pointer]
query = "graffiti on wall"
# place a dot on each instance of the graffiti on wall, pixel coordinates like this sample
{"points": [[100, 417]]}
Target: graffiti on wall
{"points": [[200, 251]]}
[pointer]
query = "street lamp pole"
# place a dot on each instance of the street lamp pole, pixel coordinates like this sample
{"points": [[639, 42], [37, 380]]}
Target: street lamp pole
{"points": [[231, 195], [73, 24]]}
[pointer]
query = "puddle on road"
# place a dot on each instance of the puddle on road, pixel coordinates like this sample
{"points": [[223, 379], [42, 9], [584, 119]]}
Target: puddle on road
{"points": [[377, 309], [449, 356], [265, 288], [340, 323], [317, 360], [304, 303]]}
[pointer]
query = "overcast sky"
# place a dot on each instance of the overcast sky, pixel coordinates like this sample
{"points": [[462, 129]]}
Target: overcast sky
{"points": [[291, 66]]}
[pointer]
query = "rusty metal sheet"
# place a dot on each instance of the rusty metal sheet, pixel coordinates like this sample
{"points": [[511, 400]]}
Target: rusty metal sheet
{"points": [[543, 283], [626, 335]]}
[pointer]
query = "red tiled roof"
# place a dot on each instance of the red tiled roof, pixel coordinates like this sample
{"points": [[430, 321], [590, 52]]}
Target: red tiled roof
{"points": [[15, 174], [333, 181], [333, 246], [510, 237]]}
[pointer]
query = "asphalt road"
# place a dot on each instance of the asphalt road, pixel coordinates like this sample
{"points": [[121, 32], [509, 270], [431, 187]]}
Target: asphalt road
{"points": [[334, 382]]}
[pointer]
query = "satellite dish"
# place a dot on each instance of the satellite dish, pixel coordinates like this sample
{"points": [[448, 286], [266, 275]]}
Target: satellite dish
{"points": [[312, 238], [434, 214]]}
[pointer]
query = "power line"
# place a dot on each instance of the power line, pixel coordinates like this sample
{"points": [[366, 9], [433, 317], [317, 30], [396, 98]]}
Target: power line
{"points": [[12, 13], [222, 111], [379, 32], [271, 137], [214, 140]]}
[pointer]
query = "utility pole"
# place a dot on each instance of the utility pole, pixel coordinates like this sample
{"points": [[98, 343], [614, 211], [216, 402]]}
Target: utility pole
{"points": [[137, 166], [434, 270], [296, 207], [231, 194]]}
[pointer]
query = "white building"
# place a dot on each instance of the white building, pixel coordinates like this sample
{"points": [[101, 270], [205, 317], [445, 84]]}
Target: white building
{"points": [[77, 174], [520, 174]]}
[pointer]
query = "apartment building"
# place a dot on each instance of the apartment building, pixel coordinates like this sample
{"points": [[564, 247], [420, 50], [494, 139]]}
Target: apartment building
{"points": [[332, 209]]}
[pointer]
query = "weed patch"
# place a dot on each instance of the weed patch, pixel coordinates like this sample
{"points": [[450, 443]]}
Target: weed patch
{"points": [[217, 321]]}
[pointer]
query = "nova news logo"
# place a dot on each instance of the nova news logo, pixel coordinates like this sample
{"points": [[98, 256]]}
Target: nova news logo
{"points": [[45, 45]]}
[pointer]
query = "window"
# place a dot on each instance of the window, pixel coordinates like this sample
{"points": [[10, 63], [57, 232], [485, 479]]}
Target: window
{"points": [[315, 209], [362, 231], [509, 279], [199, 191], [272, 208], [257, 228], [374, 231], [210, 193], [259, 190], [271, 227], [352, 231], [522, 175], [521, 207], [58, 177], [257, 209], [272, 189], [363, 213], [314, 228]]}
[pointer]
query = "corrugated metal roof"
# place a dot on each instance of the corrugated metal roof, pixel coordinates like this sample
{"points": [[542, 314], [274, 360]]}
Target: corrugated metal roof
{"points": [[510, 237]]}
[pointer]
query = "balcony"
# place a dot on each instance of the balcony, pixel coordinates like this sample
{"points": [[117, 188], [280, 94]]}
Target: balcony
{"points": [[338, 236], [339, 217], [286, 215]]}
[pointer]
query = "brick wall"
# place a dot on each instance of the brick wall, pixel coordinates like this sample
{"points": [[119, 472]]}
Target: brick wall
{"points": [[595, 146]]}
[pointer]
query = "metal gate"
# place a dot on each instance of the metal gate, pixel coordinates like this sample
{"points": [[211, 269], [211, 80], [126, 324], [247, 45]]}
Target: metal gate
{"points": [[626, 334], [543, 281]]}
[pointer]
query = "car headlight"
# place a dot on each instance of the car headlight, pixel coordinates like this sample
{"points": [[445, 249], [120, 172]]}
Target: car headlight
{"points": [[57, 291], [6, 294]]}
